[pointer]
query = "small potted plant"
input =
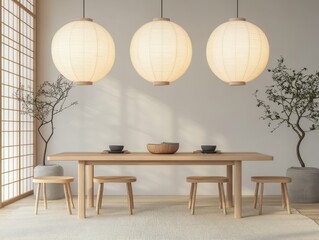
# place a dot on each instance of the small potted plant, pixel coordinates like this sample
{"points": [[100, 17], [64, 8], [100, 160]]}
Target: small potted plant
{"points": [[48, 101], [293, 101]]}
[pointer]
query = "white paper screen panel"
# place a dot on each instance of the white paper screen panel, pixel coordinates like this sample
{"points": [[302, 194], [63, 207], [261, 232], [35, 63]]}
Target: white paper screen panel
{"points": [[17, 69]]}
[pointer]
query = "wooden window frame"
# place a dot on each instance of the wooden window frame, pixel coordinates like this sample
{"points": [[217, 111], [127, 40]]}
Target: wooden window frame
{"points": [[27, 7]]}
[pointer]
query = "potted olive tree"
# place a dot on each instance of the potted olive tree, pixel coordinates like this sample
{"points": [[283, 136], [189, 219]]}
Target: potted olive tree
{"points": [[293, 101], [48, 101]]}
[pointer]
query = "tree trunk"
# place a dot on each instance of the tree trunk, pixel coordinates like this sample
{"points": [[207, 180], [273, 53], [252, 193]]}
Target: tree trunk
{"points": [[298, 151], [44, 152]]}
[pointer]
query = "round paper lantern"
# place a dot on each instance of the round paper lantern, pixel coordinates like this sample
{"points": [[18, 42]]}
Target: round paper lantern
{"points": [[83, 51], [161, 51], [237, 51]]}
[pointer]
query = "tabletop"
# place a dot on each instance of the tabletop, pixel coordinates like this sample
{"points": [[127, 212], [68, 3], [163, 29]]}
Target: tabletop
{"points": [[149, 157]]}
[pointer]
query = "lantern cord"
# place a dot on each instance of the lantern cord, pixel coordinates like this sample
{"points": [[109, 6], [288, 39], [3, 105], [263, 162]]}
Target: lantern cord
{"points": [[237, 8], [161, 8], [83, 9]]}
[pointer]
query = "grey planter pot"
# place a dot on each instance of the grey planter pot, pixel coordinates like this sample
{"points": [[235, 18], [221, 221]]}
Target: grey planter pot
{"points": [[304, 187], [54, 191]]}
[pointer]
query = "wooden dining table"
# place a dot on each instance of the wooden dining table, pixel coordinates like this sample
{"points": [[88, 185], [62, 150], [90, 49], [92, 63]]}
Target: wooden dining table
{"points": [[229, 159]]}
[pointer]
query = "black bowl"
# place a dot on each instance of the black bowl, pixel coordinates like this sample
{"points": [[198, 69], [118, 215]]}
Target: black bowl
{"points": [[208, 148], [116, 148]]}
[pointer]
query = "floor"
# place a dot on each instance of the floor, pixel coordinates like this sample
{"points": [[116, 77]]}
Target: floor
{"points": [[158, 218], [310, 210]]}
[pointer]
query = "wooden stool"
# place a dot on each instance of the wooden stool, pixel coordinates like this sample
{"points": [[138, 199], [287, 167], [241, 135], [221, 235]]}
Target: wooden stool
{"points": [[114, 179], [271, 179], [206, 179], [54, 179]]}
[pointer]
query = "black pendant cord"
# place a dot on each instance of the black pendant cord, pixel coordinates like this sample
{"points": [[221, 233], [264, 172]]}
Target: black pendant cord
{"points": [[161, 8], [237, 8], [83, 9]]}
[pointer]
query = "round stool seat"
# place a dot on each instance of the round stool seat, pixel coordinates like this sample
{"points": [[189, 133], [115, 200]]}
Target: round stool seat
{"points": [[207, 179], [271, 179], [53, 179], [114, 179]]}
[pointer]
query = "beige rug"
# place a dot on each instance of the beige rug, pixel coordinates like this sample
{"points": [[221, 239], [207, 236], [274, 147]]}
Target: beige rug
{"points": [[163, 219]]}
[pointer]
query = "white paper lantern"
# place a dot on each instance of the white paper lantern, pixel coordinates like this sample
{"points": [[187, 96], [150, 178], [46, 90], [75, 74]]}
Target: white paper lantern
{"points": [[237, 51], [161, 51], [83, 51]]}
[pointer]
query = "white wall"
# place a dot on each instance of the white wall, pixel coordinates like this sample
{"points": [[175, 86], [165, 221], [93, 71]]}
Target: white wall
{"points": [[196, 109]]}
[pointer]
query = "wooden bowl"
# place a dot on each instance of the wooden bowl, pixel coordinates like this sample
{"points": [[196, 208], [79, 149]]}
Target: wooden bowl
{"points": [[163, 148]]}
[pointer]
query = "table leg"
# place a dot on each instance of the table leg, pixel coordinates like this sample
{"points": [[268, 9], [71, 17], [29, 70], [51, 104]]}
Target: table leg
{"points": [[90, 190], [229, 186], [237, 189], [81, 189]]}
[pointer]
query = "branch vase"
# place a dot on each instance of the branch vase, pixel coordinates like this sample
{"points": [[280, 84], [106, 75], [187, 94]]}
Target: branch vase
{"points": [[304, 187], [53, 191]]}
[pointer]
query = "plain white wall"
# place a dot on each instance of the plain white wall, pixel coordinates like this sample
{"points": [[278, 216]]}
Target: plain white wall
{"points": [[196, 109]]}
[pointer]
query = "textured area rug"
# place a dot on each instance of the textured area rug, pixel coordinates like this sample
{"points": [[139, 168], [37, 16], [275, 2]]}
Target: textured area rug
{"points": [[165, 218]]}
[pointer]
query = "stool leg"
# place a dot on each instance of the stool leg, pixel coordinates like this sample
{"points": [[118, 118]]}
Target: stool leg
{"points": [[256, 194], [223, 197], [190, 196], [45, 196], [98, 199], [70, 195], [194, 199], [261, 198], [283, 196], [193, 196], [220, 197], [101, 195], [129, 199], [131, 192], [67, 198], [37, 199], [287, 198]]}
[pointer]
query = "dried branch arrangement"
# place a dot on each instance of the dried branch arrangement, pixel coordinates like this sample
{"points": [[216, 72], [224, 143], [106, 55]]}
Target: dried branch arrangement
{"points": [[293, 100], [48, 101]]}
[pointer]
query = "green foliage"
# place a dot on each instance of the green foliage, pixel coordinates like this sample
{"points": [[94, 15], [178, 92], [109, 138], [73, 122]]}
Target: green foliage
{"points": [[44, 104], [293, 100]]}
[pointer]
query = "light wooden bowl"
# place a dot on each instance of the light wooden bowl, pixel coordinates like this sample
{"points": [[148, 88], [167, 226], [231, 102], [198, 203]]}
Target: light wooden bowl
{"points": [[163, 148]]}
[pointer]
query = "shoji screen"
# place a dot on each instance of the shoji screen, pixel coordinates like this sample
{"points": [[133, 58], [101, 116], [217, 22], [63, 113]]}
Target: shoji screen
{"points": [[17, 69]]}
